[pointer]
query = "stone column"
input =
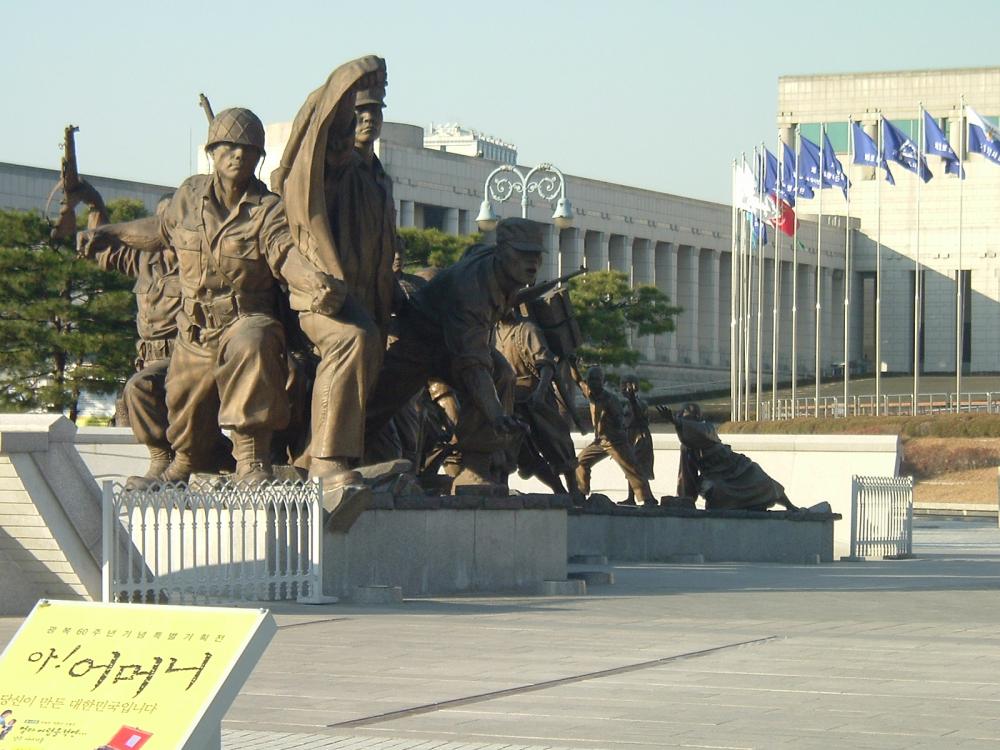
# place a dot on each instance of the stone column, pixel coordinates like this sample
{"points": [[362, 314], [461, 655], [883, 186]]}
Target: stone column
{"points": [[406, 213], [688, 296], [665, 278], [550, 262], [451, 221], [643, 273], [571, 251], [595, 246], [715, 306]]}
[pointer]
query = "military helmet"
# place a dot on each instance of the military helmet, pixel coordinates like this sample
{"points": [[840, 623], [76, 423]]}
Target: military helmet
{"points": [[236, 125]]}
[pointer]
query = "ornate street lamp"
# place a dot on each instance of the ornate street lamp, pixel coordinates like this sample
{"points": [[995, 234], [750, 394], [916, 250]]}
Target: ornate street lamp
{"points": [[545, 181]]}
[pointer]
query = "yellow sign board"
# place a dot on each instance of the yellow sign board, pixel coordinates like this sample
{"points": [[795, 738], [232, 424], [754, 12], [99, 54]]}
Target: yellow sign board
{"points": [[125, 676]]}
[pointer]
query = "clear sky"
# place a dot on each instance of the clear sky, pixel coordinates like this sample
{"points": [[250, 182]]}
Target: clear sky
{"points": [[660, 95]]}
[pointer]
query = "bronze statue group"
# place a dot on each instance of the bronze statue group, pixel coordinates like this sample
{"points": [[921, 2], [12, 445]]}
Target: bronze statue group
{"points": [[284, 318]]}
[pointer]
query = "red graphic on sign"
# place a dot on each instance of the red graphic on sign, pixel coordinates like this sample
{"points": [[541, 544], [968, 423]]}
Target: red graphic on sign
{"points": [[128, 738]]}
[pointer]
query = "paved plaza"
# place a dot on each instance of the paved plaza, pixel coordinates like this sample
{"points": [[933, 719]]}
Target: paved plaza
{"points": [[902, 654]]}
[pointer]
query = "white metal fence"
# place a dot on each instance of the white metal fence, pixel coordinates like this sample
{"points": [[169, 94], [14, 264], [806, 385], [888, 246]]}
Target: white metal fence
{"points": [[882, 517], [213, 543], [896, 404]]}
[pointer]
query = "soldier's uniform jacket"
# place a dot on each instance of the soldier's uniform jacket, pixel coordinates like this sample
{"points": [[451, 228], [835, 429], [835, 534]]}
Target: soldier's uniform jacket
{"points": [[457, 312], [523, 345], [608, 418], [231, 267], [157, 295]]}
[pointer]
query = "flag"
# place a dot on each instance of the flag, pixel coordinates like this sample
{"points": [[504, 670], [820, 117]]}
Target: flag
{"points": [[785, 220], [758, 231], [866, 152], [808, 164], [747, 194], [983, 138], [770, 172], [902, 150], [787, 192], [833, 170], [935, 143]]}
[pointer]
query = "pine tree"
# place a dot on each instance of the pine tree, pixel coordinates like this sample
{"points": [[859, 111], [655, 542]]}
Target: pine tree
{"points": [[607, 309], [65, 325]]}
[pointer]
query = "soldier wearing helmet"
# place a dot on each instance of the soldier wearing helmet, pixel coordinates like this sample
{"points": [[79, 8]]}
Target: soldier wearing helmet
{"points": [[233, 247]]}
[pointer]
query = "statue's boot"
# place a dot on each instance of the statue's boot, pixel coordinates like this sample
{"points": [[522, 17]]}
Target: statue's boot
{"points": [[476, 474], [178, 471], [335, 471], [252, 451], [159, 459]]}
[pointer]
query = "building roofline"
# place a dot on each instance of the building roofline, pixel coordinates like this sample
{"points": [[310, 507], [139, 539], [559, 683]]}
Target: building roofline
{"points": [[890, 73]]}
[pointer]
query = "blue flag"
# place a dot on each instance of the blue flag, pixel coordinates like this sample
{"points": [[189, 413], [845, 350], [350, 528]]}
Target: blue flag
{"points": [[770, 170], [808, 164], [983, 138], [902, 150], [833, 170], [935, 143], [866, 152], [788, 175]]}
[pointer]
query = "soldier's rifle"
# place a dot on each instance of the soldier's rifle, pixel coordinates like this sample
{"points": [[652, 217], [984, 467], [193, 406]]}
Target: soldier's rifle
{"points": [[207, 106], [540, 290], [69, 181]]}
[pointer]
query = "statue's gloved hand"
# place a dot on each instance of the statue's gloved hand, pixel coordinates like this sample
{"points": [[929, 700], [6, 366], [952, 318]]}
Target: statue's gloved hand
{"points": [[371, 72], [89, 242], [665, 412], [329, 294]]}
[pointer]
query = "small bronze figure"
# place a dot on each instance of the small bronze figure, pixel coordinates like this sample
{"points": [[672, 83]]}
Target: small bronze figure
{"points": [[710, 468], [637, 421], [610, 439]]}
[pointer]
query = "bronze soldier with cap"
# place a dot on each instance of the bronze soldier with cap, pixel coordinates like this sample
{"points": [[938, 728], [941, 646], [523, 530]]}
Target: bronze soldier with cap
{"points": [[234, 247], [610, 438], [447, 331], [342, 215]]}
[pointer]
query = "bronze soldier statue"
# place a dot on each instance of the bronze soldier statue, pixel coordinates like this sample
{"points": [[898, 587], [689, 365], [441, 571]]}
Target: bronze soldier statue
{"points": [[546, 451], [610, 439], [341, 212], [710, 468], [639, 436], [229, 367], [447, 332], [158, 300]]}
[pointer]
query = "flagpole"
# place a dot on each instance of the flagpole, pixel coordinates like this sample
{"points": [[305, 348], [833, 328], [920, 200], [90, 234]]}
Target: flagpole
{"points": [[878, 267], [747, 330], [819, 264], [847, 267], [775, 292], [745, 315], [916, 269], [732, 301], [738, 285], [959, 280], [760, 275], [795, 281]]}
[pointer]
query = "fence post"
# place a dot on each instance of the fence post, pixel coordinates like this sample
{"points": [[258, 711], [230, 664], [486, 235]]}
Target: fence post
{"points": [[316, 595], [107, 542], [854, 517]]}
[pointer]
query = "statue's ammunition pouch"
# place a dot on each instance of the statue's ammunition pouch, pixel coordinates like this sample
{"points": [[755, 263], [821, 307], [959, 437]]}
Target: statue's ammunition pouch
{"points": [[151, 350]]}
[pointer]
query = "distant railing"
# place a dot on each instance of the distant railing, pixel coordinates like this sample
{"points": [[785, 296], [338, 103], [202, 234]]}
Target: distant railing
{"points": [[882, 517], [213, 543], [895, 404]]}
